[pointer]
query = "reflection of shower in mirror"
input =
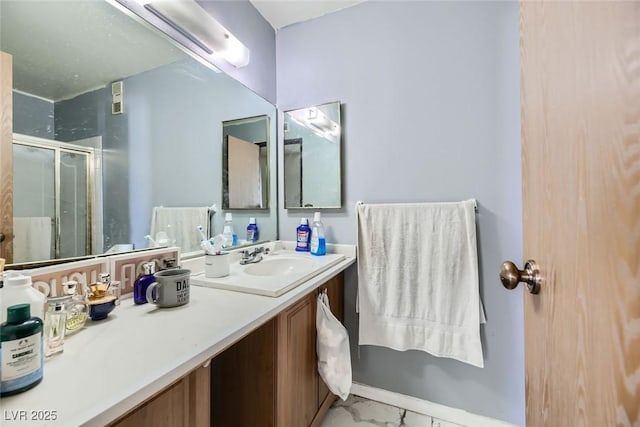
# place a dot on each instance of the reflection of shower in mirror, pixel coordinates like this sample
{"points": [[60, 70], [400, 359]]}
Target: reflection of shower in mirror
{"points": [[54, 195]]}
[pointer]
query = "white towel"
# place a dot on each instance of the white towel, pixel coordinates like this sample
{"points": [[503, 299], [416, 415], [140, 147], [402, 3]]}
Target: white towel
{"points": [[181, 225], [32, 241], [418, 279]]}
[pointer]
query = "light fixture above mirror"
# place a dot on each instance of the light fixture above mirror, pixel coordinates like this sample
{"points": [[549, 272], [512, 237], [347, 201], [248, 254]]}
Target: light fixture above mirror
{"points": [[192, 21]]}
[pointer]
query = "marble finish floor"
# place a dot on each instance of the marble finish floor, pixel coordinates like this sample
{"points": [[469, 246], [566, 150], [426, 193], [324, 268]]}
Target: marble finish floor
{"points": [[360, 412]]}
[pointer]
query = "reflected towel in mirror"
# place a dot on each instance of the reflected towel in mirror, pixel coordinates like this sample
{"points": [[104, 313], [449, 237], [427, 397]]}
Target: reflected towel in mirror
{"points": [[180, 225], [32, 241]]}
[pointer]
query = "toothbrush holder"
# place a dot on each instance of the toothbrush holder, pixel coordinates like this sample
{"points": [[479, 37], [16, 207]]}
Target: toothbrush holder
{"points": [[216, 265]]}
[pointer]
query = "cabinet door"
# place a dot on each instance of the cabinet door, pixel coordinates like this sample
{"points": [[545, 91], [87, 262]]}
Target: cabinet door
{"points": [[243, 381], [297, 401], [335, 292], [185, 403]]}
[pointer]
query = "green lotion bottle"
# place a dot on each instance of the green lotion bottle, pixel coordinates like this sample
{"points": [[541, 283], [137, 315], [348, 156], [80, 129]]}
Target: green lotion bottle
{"points": [[21, 351]]}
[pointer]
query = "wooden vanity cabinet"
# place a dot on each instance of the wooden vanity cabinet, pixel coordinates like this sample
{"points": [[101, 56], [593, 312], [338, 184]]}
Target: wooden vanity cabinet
{"points": [[267, 379], [303, 398], [270, 377], [184, 403]]}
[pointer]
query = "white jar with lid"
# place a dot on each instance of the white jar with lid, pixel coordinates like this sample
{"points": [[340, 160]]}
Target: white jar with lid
{"points": [[17, 289]]}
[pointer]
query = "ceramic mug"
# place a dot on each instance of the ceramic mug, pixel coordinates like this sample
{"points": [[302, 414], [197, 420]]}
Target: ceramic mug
{"points": [[171, 288], [216, 265]]}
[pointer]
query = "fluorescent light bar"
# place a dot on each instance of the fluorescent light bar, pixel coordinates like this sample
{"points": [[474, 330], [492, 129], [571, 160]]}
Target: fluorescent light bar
{"points": [[190, 19]]}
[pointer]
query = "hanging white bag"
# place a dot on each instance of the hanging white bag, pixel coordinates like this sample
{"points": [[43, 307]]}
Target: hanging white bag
{"points": [[334, 356]]}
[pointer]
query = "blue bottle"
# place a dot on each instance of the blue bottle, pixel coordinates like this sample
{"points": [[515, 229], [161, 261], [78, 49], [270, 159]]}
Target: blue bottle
{"points": [[142, 283], [318, 244], [253, 235], [303, 235], [22, 355]]}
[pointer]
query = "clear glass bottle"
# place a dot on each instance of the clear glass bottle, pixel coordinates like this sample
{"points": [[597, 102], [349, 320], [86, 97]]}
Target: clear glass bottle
{"points": [[77, 308], [55, 324], [115, 289]]}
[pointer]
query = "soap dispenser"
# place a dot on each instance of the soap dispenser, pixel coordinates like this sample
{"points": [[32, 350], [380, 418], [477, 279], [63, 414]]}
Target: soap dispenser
{"points": [[318, 244], [142, 283]]}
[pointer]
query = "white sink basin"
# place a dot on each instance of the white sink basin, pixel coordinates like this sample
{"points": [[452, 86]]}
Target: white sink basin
{"points": [[277, 273], [280, 266]]}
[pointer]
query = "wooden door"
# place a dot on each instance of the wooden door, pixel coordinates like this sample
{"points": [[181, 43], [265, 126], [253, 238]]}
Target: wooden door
{"points": [[6, 156], [580, 95], [243, 174]]}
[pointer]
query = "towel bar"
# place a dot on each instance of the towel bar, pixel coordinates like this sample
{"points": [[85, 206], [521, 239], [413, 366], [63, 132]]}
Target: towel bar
{"points": [[475, 207]]}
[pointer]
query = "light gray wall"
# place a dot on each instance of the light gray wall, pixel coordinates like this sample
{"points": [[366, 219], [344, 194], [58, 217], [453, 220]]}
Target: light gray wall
{"points": [[32, 116], [430, 94]]}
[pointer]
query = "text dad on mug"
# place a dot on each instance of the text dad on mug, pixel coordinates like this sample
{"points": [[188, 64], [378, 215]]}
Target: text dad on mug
{"points": [[182, 291]]}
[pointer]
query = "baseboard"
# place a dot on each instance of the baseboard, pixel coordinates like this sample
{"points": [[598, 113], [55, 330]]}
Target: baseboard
{"points": [[435, 410]]}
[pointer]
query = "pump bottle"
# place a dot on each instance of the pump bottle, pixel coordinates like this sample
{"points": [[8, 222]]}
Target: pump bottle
{"points": [[318, 244]]}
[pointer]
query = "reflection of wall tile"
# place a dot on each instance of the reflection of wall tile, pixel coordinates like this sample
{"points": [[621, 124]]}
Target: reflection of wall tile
{"points": [[33, 116], [123, 268]]}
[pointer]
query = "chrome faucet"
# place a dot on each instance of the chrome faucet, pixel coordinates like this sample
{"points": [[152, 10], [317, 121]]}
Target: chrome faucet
{"points": [[251, 257]]}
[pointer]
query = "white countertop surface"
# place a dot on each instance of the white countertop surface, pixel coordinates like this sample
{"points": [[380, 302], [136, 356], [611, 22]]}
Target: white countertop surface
{"points": [[117, 363]]}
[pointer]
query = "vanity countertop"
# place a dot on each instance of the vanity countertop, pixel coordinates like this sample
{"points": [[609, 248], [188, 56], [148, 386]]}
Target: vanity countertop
{"points": [[115, 364]]}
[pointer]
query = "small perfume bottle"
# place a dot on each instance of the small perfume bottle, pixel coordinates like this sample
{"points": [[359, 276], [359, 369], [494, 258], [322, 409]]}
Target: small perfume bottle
{"points": [[55, 319], [112, 286], [77, 309], [142, 283], [115, 289]]}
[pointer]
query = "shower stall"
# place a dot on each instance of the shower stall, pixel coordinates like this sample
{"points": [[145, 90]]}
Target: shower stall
{"points": [[54, 198]]}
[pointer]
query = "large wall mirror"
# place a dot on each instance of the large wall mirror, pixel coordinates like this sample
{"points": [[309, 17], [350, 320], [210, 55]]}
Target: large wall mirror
{"points": [[87, 176], [312, 162]]}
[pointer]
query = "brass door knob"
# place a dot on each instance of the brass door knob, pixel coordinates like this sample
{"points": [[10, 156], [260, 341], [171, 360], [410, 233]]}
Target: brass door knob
{"points": [[510, 276]]}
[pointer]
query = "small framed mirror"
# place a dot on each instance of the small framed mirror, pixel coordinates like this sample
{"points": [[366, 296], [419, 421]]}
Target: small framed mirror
{"points": [[312, 157], [245, 163]]}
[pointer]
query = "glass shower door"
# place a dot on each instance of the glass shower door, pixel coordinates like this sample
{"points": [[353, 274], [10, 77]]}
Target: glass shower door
{"points": [[34, 203], [74, 204], [52, 192]]}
